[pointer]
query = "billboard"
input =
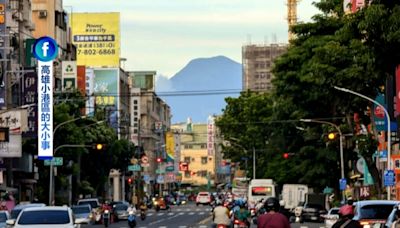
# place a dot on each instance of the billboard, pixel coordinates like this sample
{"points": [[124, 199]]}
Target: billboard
{"points": [[97, 38], [89, 85], [170, 149], [210, 136], [106, 81]]}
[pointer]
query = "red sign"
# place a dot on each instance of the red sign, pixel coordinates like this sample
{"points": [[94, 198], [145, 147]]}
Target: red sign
{"points": [[379, 113], [183, 166]]}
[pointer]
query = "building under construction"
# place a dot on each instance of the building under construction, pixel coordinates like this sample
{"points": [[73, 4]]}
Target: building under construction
{"points": [[257, 61]]}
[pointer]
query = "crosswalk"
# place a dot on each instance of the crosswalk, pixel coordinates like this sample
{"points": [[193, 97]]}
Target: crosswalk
{"points": [[180, 211]]}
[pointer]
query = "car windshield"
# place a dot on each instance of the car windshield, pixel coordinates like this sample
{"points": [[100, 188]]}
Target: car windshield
{"points": [[44, 217], [121, 207], [203, 194], [81, 210], [334, 212], [375, 211], [15, 213], [3, 217], [313, 206], [93, 204]]}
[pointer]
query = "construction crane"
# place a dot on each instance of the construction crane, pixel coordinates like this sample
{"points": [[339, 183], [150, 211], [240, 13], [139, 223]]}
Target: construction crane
{"points": [[292, 15]]}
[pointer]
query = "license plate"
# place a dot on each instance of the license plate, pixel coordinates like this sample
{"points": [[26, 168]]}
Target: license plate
{"points": [[313, 217]]}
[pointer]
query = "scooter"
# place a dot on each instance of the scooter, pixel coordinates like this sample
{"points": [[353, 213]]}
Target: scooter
{"points": [[239, 224], [142, 214], [131, 220], [106, 218]]}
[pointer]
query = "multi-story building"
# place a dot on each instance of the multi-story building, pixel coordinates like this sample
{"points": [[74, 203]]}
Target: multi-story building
{"points": [[199, 162], [50, 19], [257, 63], [150, 119]]}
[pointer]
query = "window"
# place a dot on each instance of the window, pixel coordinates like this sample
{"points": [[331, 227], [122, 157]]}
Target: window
{"points": [[135, 102], [262, 75], [187, 174], [187, 159], [135, 107], [188, 147], [203, 146], [203, 160], [44, 217]]}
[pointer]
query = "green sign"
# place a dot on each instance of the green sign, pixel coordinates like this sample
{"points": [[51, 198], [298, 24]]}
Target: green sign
{"points": [[134, 168], [160, 171], [169, 168], [57, 161]]}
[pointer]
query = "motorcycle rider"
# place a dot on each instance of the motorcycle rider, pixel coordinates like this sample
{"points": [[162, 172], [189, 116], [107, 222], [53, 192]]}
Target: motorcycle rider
{"points": [[346, 214], [104, 207], [272, 219], [221, 215], [242, 214]]}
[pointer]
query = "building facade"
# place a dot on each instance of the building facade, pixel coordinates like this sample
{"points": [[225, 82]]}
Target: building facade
{"points": [[150, 119], [257, 61]]}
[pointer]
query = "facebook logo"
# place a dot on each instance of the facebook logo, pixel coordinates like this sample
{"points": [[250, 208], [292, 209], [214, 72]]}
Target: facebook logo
{"points": [[45, 49]]}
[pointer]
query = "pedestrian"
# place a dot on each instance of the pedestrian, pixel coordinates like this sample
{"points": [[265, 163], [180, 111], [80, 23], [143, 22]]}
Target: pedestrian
{"points": [[272, 219]]}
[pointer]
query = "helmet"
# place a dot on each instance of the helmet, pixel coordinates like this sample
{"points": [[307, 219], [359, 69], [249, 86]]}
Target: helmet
{"points": [[239, 202], [272, 204], [346, 210]]}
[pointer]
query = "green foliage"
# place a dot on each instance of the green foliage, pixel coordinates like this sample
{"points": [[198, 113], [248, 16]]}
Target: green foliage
{"points": [[357, 51]]}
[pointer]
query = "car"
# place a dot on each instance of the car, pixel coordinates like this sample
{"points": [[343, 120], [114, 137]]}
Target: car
{"points": [[331, 217], [4, 216], [203, 198], [93, 202], [83, 214], [313, 212], [49, 216], [19, 207], [120, 211], [373, 213], [181, 200]]}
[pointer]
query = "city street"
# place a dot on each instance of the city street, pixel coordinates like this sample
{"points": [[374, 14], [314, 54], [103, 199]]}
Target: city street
{"points": [[184, 217]]}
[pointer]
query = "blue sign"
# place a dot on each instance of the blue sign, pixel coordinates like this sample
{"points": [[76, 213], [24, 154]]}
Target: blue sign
{"points": [[342, 184], [389, 177], [45, 49]]}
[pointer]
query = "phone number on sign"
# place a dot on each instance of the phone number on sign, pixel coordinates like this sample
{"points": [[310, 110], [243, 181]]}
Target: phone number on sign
{"points": [[96, 52]]}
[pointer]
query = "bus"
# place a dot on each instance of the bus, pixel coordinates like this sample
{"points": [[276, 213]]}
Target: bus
{"points": [[261, 189]]}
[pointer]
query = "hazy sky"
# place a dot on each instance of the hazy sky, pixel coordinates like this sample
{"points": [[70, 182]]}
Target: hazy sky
{"points": [[164, 35]]}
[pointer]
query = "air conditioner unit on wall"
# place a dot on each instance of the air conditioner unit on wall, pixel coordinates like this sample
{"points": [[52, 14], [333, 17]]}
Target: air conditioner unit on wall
{"points": [[42, 13]]}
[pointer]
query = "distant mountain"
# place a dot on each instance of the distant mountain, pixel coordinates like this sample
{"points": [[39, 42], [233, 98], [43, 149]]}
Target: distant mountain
{"points": [[203, 76]]}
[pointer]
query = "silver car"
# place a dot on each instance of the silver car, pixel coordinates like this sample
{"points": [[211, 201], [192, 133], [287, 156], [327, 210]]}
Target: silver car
{"points": [[332, 217]]}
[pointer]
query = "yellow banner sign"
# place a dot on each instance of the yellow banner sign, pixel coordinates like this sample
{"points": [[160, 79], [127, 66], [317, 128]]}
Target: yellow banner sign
{"points": [[97, 38]]}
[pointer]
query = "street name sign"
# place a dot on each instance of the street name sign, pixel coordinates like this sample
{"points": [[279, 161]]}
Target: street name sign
{"points": [[57, 161]]}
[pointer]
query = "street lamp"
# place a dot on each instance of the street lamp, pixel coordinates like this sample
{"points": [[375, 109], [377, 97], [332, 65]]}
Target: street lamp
{"points": [[388, 130], [340, 142], [245, 150], [51, 194]]}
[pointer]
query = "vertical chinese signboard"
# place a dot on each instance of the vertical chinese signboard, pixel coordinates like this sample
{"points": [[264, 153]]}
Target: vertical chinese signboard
{"points": [[29, 90], [210, 136], [170, 149], [45, 50], [3, 63]]}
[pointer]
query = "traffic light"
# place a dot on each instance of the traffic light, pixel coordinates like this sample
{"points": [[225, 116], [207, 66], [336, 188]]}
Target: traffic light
{"points": [[99, 146], [285, 155], [331, 136], [159, 160], [130, 181]]}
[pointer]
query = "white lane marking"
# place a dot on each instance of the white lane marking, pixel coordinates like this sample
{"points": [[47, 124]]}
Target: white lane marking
{"points": [[181, 213], [188, 209], [150, 214], [162, 227], [198, 209], [182, 226], [303, 226], [203, 226], [191, 213], [202, 213], [160, 214], [170, 213], [158, 221]]}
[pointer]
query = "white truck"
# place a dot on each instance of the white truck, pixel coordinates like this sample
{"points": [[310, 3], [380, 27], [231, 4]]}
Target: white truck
{"points": [[261, 189], [293, 195]]}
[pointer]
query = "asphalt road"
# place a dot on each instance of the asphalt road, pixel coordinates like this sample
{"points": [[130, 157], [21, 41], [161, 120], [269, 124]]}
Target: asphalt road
{"points": [[186, 216]]}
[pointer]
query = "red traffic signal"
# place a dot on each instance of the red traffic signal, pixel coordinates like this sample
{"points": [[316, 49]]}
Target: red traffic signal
{"points": [[159, 160], [183, 166], [130, 180], [285, 155]]}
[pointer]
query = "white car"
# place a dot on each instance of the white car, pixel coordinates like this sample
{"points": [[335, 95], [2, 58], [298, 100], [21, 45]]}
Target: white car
{"points": [[332, 217], [203, 198], [52, 216]]}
